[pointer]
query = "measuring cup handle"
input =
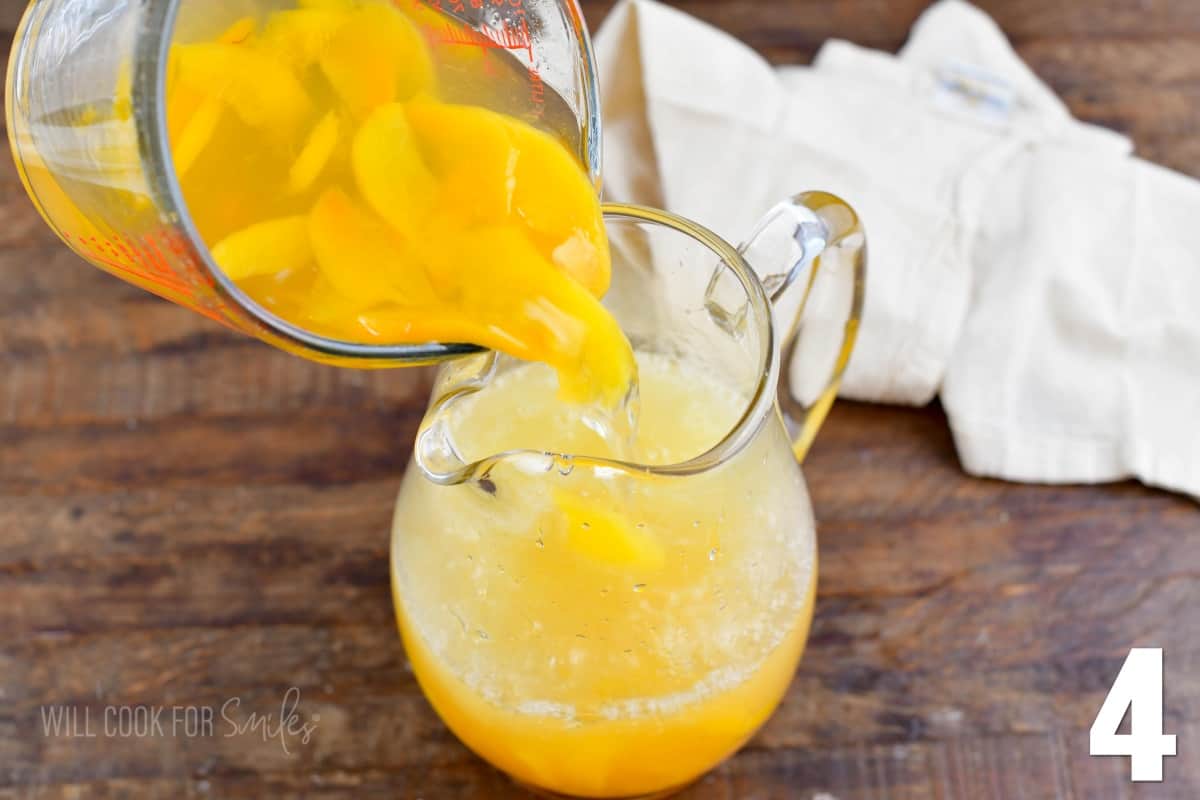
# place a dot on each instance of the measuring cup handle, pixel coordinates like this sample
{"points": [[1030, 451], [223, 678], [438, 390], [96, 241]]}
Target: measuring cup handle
{"points": [[821, 240]]}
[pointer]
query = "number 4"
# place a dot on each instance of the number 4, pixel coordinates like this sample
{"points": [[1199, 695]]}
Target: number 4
{"points": [[1138, 687]]}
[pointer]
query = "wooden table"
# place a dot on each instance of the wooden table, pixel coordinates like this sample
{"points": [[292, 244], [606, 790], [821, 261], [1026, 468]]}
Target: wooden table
{"points": [[188, 517]]}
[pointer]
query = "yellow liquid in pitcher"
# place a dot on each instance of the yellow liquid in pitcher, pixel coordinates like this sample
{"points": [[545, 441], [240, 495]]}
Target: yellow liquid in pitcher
{"points": [[340, 162], [589, 638], [606, 640]]}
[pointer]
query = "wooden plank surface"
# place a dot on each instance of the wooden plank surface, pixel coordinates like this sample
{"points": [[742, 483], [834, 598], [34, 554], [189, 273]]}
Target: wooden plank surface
{"points": [[187, 517]]}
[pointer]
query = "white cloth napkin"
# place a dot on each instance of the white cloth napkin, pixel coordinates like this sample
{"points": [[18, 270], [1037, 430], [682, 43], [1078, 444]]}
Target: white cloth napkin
{"points": [[1023, 264]]}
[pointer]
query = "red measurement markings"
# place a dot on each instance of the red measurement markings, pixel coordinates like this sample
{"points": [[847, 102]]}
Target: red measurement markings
{"points": [[513, 36], [146, 261], [507, 38], [121, 257], [204, 298]]}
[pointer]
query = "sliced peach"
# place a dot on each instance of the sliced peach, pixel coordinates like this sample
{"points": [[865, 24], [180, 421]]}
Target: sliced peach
{"points": [[182, 100], [451, 135], [493, 166], [315, 154], [391, 173], [377, 56], [362, 258], [298, 37], [555, 198], [259, 88], [532, 310], [332, 313], [239, 32], [471, 151], [603, 535], [196, 135], [265, 248]]}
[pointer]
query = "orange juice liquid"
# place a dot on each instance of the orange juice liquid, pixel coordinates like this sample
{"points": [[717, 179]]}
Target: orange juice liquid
{"points": [[605, 639]]}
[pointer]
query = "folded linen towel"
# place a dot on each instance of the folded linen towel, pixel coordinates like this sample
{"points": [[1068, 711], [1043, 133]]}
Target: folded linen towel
{"points": [[1023, 264]]}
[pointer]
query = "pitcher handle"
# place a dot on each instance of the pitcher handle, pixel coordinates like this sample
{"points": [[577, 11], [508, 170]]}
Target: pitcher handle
{"points": [[821, 239]]}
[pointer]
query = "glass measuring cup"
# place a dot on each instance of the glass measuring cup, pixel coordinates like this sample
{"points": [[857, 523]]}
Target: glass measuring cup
{"points": [[87, 123], [597, 627]]}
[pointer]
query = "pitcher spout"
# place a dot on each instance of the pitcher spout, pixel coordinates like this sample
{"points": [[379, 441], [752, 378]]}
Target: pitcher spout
{"points": [[435, 452]]}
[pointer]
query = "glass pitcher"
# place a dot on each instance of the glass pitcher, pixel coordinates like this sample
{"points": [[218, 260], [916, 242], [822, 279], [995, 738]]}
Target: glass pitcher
{"points": [[87, 123], [615, 626]]}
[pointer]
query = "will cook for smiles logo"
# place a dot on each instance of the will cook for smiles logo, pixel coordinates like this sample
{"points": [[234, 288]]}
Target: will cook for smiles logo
{"points": [[230, 719]]}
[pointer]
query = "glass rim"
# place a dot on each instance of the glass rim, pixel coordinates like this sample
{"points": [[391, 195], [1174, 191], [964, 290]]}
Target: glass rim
{"points": [[742, 432], [150, 108]]}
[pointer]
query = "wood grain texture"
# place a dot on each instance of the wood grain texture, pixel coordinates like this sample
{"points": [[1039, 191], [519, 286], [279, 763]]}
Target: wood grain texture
{"points": [[187, 517]]}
